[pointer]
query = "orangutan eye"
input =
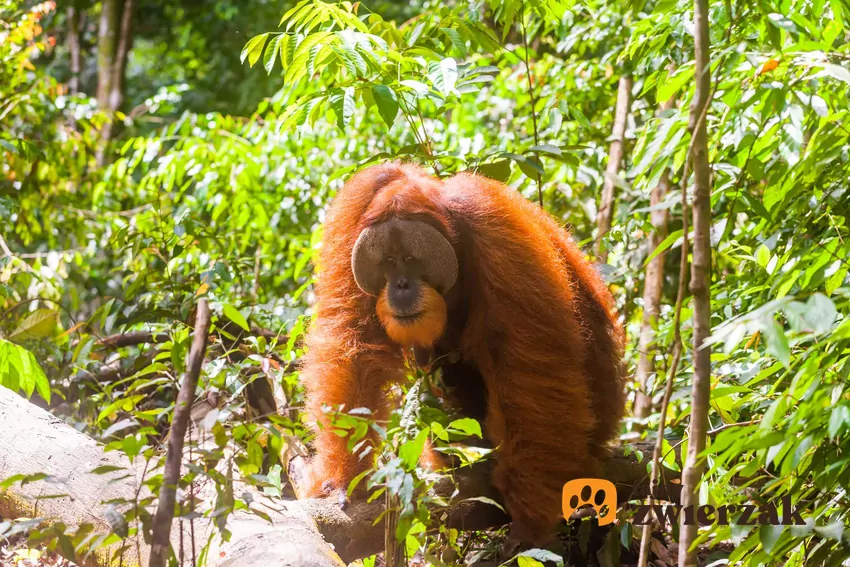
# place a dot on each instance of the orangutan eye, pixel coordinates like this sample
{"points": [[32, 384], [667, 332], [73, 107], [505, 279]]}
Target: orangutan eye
{"points": [[390, 260], [408, 259]]}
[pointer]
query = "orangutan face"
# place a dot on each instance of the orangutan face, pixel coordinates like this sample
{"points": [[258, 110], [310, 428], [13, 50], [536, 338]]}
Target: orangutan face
{"points": [[409, 265]]}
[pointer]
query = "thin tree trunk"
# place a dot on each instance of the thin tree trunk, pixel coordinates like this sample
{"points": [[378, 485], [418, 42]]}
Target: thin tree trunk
{"points": [[114, 41], [653, 284], [119, 66], [615, 158], [73, 15], [700, 281], [161, 539], [107, 42]]}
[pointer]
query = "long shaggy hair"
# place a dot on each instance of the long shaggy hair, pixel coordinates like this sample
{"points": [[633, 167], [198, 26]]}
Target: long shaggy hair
{"points": [[528, 313]]}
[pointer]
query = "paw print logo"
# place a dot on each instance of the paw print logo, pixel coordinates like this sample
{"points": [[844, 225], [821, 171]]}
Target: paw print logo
{"points": [[595, 492]]}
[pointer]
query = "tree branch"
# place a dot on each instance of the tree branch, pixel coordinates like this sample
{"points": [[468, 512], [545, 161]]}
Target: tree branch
{"points": [[161, 546]]}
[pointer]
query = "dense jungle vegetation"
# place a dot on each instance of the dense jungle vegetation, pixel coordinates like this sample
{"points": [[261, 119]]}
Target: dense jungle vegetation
{"points": [[156, 154]]}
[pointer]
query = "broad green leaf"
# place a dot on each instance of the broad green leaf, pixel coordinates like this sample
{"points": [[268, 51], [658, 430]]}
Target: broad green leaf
{"points": [[834, 531], [838, 418], [234, 315], [498, 170], [456, 39], [547, 149], [410, 451], [668, 88], [837, 72], [38, 325], [20, 371], [777, 342], [444, 75], [467, 425], [762, 256], [579, 116], [387, 103], [769, 535]]}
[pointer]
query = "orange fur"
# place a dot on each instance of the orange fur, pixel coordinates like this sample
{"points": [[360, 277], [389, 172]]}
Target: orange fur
{"points": [[528, 313], [425, 330]]}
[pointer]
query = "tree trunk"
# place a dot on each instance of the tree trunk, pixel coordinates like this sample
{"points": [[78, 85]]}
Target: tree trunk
{"points": [[612, 170], [119, 66], [73, 16], [653, 285], [107, 44], [700, 280], [115, 38]]}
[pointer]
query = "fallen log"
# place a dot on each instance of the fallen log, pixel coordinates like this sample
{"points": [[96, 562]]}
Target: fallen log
{"points": [[314, 532], [34, 442]]}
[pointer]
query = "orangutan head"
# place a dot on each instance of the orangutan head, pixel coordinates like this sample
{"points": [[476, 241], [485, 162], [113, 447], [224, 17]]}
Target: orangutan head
{"points": [[409, 265]]}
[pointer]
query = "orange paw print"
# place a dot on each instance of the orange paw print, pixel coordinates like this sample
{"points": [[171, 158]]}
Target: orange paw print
{"points": [[600, 494]]}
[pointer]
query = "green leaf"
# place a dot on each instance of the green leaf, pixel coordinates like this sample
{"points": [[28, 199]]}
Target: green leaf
{"points": [[820, 313], [467, 425], [38, 325], [253, 50], [105, 469], [387, 103], [777, 342], [234, 315], [665, 244], [484, 500], [444, 75], [410, 451], [456, 39], [498, 170], [579, 116], [539, 555], [547, 149], [668, 88], [342, 104], [834, 530], [837, 72], [838, 417], [762, 255], [20, 371], [271, 52], [769, 535], [418, 87]]}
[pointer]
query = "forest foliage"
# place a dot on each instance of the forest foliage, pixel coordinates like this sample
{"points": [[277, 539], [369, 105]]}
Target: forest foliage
{"points": [[212, 176]]}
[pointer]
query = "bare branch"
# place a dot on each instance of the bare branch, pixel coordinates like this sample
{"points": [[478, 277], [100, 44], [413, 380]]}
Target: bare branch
{"points": [[161, 545]]}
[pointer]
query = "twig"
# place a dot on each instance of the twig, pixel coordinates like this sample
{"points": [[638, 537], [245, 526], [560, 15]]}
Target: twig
{"points": [[160, 543], [726, 426], [674, 368], [533, 100]]}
